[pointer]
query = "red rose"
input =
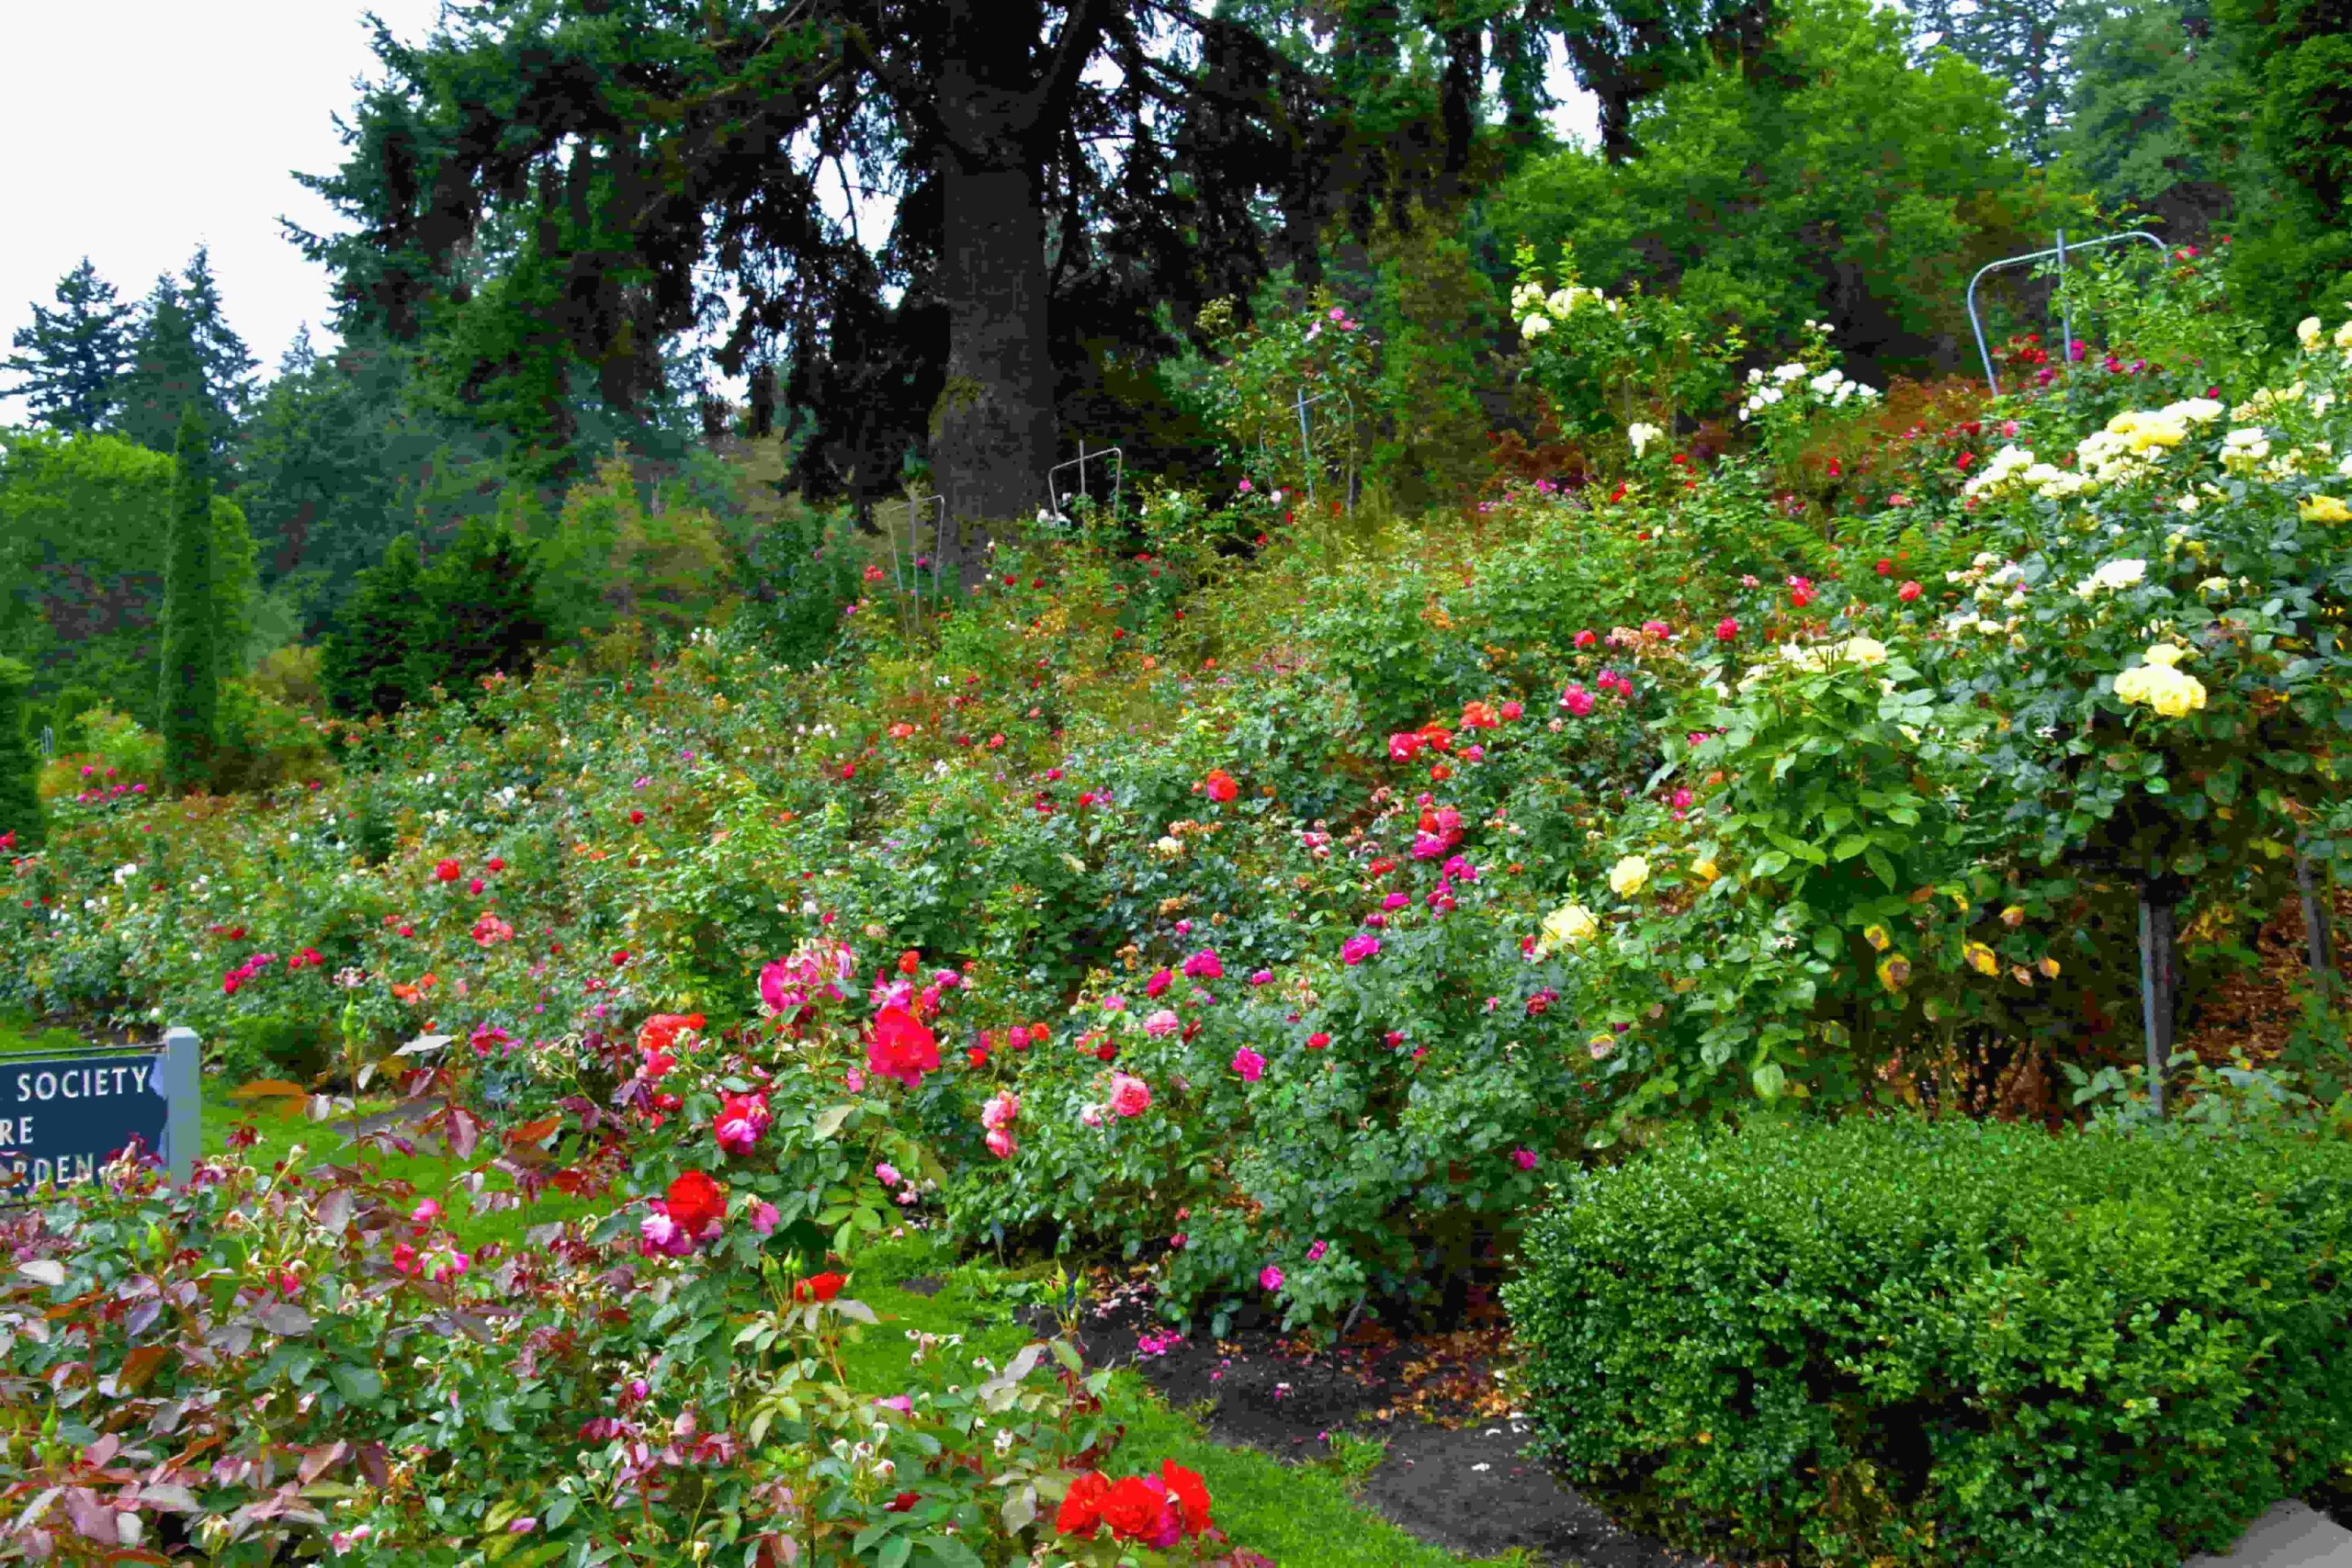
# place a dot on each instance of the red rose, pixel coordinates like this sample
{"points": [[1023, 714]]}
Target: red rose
{"points": [[902, 1048], [496, 865], [910, 960], [447, 871], [1081, 1509], [1138, 1510], [1220, 786], [820, 1287], [1316, 1041], [695, 1202], [1190, 1494]]}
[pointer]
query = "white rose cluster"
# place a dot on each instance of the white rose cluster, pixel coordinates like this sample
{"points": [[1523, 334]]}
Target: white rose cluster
{"points": [[1828, 389], [1538, 311]]}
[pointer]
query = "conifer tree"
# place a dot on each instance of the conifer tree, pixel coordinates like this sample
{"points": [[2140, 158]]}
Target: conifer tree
{"points": [[370, 657], [478, 611], [190, 697], [184, 352], [22, 828], [70, 361]]}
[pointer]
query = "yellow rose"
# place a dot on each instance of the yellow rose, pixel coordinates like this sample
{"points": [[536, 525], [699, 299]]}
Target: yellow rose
{"points": [[2326, 509], [2178, 696], [2167, 654], [1862, 651], [1570, 925], [1629, 875], [2307, 332], [1704, 869]]}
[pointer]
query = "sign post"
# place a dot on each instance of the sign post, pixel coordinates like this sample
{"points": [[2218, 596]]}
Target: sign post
{"points": [[62, 1118]]}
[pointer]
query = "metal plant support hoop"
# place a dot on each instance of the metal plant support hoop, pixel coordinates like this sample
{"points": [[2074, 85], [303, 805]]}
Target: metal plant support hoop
{"points": [[2066, 318], [1118, 460], [1300, 403]]}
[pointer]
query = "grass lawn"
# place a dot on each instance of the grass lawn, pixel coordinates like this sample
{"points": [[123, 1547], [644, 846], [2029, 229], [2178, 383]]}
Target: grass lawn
{"points": [[1300, 1515]]}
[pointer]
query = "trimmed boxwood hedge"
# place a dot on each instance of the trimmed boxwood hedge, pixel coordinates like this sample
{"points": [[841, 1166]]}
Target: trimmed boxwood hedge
{"points": [[1903, 1342]]}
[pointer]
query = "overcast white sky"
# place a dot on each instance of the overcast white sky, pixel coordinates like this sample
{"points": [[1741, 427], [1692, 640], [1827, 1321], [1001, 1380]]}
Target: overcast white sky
{"points": [[138, 130]]}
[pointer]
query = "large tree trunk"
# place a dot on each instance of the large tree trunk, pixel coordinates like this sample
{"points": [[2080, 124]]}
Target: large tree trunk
{"points": [[992, 436]]}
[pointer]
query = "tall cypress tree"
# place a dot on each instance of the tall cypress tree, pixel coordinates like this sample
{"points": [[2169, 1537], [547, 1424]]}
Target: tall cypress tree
{"points": [[190, 696], [72, 360], [21, 823]]}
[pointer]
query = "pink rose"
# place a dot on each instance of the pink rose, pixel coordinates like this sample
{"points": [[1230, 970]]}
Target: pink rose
{"points": [[1271, 1277], [1249, 1064], [1162, 1022], [1130, 1096]]}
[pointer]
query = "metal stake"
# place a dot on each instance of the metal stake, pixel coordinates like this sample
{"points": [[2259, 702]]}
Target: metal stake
{"points": [[2319, 941], [2156, 990]]}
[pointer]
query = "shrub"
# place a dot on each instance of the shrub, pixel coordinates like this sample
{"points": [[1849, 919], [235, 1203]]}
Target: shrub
{"points": [[22, 823], [1896, 1341]]}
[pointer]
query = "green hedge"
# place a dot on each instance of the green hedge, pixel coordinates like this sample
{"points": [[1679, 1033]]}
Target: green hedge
{"points": [[1898, 1342]]}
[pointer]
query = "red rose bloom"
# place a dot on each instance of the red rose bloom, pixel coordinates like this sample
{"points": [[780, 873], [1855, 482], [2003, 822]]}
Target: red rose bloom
{"points": [[1139, 1511], [447, 871], [695, 1202], [1191, 1492], [1220, 786], [1081, 1509], [820, 1287], [902, 1048]]}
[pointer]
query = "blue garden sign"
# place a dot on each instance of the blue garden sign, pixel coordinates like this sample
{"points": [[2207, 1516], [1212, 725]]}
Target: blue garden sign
{"points": [[63, 1117]]}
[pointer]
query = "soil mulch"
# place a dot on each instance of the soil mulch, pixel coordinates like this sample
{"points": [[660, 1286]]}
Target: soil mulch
{"points": [[1454, 1474]]}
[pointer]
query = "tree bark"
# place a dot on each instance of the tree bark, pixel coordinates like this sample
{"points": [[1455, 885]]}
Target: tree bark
{"points": [[992, 431], [992, 436]]}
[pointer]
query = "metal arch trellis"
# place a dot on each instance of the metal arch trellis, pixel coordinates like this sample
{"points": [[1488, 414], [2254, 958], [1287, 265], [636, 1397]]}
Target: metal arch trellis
{"points": [[1117, 457], [2066, 322]]}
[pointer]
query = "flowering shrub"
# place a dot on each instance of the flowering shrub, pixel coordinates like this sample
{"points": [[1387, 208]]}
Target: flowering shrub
{"points": [[264, 1365], [1280, 918]]}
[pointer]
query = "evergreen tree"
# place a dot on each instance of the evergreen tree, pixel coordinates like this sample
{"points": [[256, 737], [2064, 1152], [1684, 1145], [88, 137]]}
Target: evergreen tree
{"points": [[371, 654], [480, 611], [2026, 45], [220, 353], [191, 699], [22, 827], [185, 353], [72, 360], [166, 378]]}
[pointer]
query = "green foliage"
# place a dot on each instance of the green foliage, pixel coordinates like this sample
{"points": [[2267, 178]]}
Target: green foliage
{"points": [[794, 576], [22, 821], [612, 555], [481, 611], [1610, 365], [2295, 254], [2156, 117], [83, 522], [365, 665], [1951, 1343], [1827, 179], [188, 701]]}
